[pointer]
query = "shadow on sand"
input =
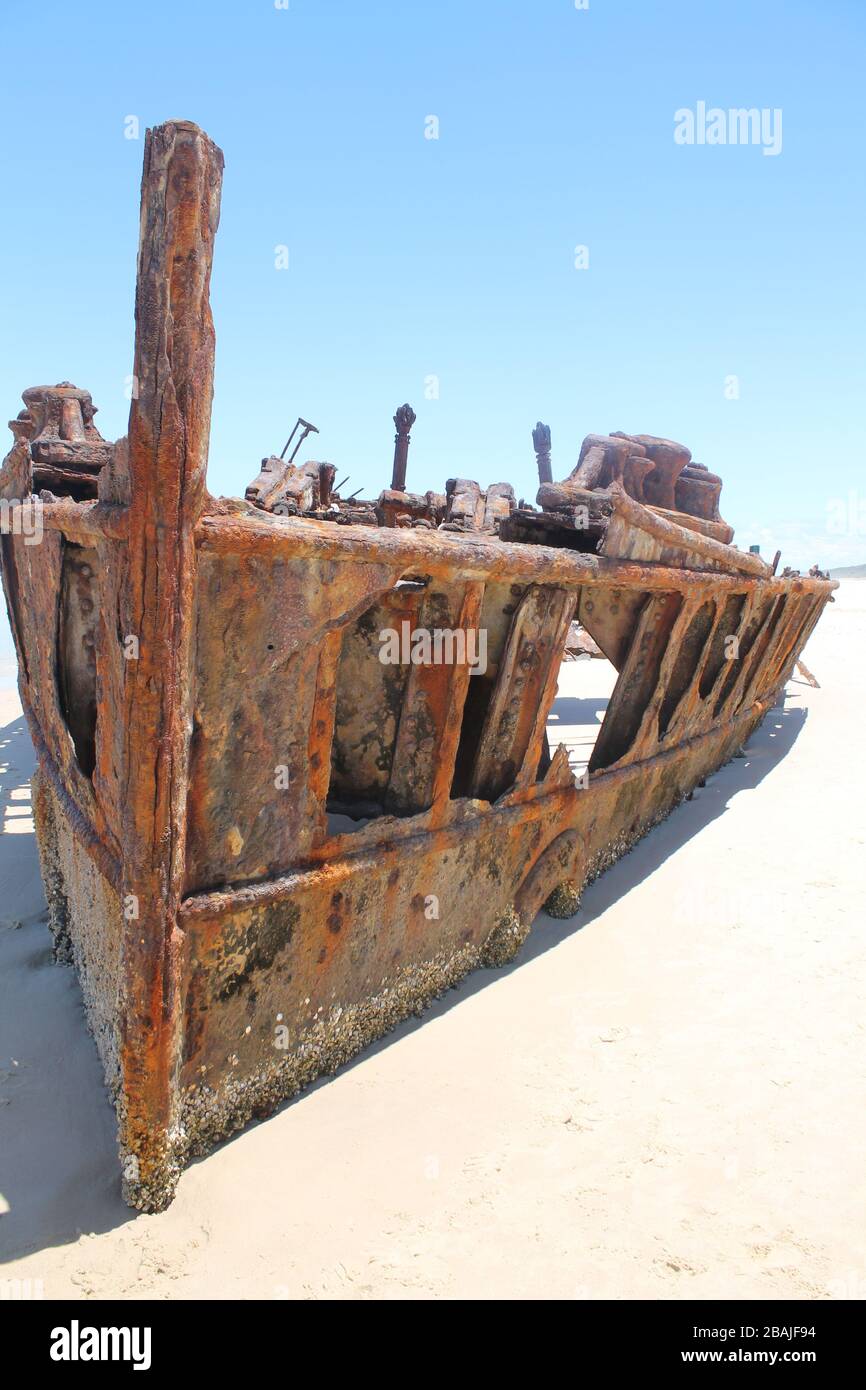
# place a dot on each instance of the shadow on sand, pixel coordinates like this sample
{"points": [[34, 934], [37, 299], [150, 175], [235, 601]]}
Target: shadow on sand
{"points": [[571, 709], [58, 1155], [58, 1170]]}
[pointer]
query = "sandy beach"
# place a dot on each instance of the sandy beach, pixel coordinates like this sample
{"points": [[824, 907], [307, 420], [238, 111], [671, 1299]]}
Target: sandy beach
{"points": [[663, 1098]]}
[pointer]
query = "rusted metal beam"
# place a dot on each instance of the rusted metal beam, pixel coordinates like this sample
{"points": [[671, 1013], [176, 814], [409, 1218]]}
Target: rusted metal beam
{"points": [[86, 523], [169, 426], [512, 728], [425, 747], [630, 522], [478, 558], [637, 681]]}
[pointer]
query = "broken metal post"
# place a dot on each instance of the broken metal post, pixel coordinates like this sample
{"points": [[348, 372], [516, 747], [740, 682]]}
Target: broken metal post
{"points": [[404, 419], [541, 445], [169, 428], [307, 429], [327, 474]]}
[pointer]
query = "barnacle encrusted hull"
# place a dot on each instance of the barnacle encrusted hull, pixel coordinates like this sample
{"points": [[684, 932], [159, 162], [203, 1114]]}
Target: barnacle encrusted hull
{"points": [[262, 845]]}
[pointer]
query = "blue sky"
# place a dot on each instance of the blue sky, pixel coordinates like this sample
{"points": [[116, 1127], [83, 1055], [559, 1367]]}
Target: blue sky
{"points": [[411, 258]]}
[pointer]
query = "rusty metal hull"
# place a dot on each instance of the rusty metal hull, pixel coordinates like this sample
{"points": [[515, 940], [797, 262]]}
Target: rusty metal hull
{"points": [[262, 847]]}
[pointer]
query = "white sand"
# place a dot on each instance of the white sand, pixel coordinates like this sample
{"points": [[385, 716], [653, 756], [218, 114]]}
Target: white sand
{"points": [[667, 1102]]}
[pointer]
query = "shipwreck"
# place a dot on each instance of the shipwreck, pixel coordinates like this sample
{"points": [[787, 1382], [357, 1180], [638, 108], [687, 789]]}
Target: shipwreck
{"points": [[262, 845]]}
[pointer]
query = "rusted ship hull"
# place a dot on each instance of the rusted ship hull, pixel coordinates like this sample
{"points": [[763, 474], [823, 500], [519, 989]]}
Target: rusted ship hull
{"points": [[261, 846]]}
